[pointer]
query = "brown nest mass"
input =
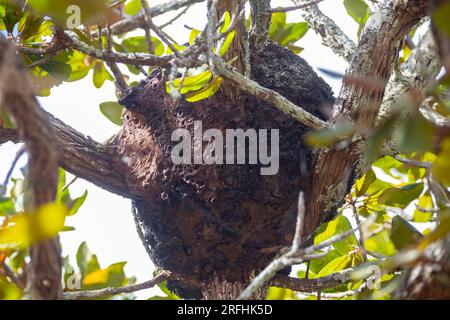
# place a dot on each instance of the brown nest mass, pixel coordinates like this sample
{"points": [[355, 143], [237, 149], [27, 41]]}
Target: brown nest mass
{"points": [[218, 221]]}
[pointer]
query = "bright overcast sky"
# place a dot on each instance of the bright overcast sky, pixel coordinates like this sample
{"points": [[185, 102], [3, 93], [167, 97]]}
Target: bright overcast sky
{"points": [[105, 220]]}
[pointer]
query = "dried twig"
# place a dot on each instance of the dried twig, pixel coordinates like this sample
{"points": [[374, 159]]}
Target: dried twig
{"points": [[92, 294], [332, 36], [19, 154], [136, 22], [417, 74], [293, 8], [147, 18], [413, 163], [120, 82], [127, 58]]}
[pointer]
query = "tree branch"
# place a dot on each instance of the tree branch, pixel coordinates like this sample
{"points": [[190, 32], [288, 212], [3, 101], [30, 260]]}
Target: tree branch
{"points": [[92, 294], [418, 73], [260, 22], [278, 101], [375, 57], [88, 159], [136, 22], [293, 8], [140, 59], [83, 157], [313, 285], [332, 36], [16, 93], [7, 135]]}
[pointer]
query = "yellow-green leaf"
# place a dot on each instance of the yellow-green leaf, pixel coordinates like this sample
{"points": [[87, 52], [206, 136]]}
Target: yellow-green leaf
{"points": [[113, 111], [208, 91]]}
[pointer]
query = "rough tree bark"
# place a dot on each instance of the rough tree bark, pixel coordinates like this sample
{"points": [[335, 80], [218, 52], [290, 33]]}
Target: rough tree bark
{"points": [[44, 270], [375, 58]]}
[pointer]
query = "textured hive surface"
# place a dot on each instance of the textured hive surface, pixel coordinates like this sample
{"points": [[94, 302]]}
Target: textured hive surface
{"points": [[224, 220]]}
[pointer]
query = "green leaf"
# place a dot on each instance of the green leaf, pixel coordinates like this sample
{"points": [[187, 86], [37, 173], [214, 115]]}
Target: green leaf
{"points": [[403, 234], [227, 43], [177, 47], [11, 15], [363, 184], [2, 17], [139, 44], [293, 33], [329, 136], [76, 204], [441, 167], [5, 119], [57, 10], [8, 290], [113, 111], [425, 202], [80, 65], [359, 11], [7, 207], [133, 7], [206, 92], [316, 265], [192, 83], [164, 289], [100, 74], [440, 17], [58, 66], [401, 197], [275, 293], [194, 34], [335, 265], [414, 134], [337, 226], [83, 257], [29, 26], [286, 34], [380, 243]]}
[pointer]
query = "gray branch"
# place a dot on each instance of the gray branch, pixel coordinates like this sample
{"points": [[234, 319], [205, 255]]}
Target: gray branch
{"points": [[417, 74], [332, 36], [92, 294], [136, 22], [278, 101], [260, 22]]}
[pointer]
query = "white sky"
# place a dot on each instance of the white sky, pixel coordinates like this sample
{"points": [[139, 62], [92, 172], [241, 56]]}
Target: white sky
{"points": [[105, 220]]}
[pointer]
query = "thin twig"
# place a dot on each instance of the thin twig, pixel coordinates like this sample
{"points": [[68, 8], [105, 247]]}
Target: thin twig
{"points": [[291, 258], [19, 154], [292, 8], [127, 58], [11, 275], [362, 246], [136, 22], [168, 23], [413, 163], [120, 82], [332, 36], [147, 19], [92, 294], [300, 221]]}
